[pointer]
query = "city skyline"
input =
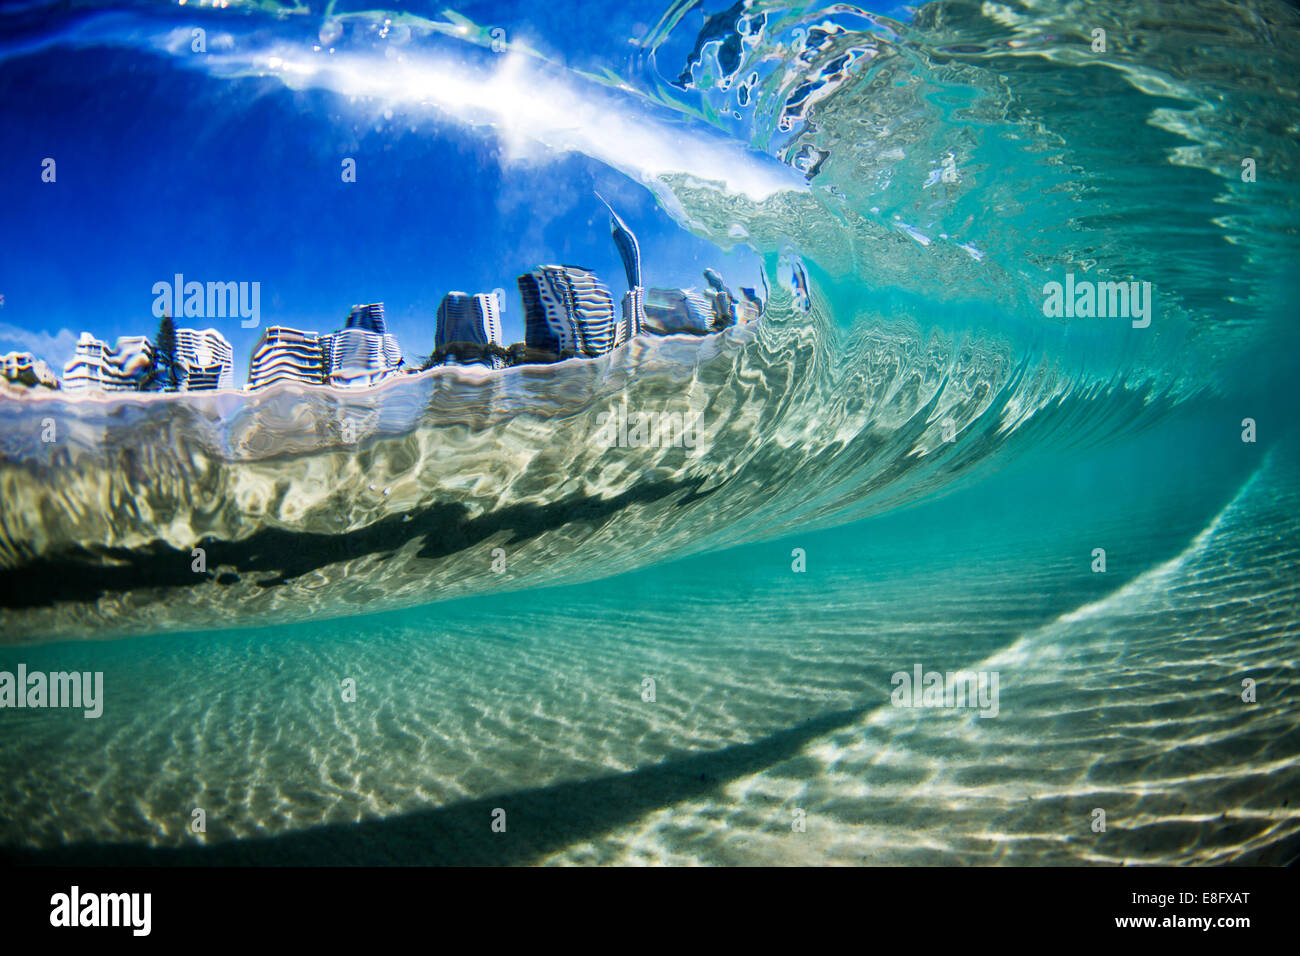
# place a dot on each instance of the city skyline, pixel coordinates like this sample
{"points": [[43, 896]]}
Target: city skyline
{"points": [[568, 311], [532, 214], [238, 372]]}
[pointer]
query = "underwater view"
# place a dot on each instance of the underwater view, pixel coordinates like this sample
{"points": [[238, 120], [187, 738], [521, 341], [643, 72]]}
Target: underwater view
{"points": [[672, 432]]}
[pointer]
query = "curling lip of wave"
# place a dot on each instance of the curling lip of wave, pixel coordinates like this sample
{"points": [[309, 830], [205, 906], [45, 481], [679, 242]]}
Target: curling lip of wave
{"points": [[526, 101], [446, 466], [526, 104]]}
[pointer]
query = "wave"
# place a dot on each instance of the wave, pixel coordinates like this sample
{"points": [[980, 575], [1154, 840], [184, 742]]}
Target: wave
{"points": [[294, 520], [910, 186]]}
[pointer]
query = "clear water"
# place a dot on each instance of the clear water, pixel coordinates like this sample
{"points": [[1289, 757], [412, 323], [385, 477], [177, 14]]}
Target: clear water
{"points": [[943, 455]]}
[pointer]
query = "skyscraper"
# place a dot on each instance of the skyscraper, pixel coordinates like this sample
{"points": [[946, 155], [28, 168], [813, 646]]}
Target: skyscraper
{"points": [[369, 317], [286, 355], [86, 367], [629, 250], [118, 369], [751, 306], [207, 358], [715, 281], [567, 309], [121, 368], [357, 358], [632, 322], [669, 311], [724, 303], [724, 310], [466, 326], [362, 353]]}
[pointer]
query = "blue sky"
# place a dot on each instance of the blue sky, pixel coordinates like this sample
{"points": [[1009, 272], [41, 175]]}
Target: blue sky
{"points": [[162, 169]]}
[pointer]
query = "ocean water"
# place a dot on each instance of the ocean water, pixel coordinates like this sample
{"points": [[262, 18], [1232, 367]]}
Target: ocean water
{"points": [[665, 655]]}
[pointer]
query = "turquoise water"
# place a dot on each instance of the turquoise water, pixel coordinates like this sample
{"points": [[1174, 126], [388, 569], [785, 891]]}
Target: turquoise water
{"points": [[904, 463], [1120, 690]]}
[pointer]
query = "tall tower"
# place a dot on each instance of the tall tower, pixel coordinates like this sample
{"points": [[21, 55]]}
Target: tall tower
{"points": [[629, 250], [724, 303], [356, 357], [363, 352], [86, 367], [128, 363], [469, 321], [632, 321], [567, 309], [208, 357], [674, 311], [283, 354], [369, 317], [490, 308]]}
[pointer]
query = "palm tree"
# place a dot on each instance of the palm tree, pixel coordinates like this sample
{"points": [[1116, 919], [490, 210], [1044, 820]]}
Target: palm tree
{"points": [[163, 371]]}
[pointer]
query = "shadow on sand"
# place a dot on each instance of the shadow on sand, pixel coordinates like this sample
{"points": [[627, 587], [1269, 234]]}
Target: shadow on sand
{"points": [[542, 820]]}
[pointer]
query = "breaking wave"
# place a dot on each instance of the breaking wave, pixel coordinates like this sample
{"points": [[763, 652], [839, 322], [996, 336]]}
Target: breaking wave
{"points": [[910, 188]]}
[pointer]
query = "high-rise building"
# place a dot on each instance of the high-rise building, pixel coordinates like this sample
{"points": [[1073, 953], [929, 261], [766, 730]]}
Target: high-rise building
{"points": [[669, 311], [356, 357], [127, 363], [632, 322], [724, 303], [86, 367], [207, 359], [467, 326], [724, 310], [629, 250], [567, 309], [362, 353], [369, 317], [353, 357], [286, 355], [24, 368], [715, 281]]}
